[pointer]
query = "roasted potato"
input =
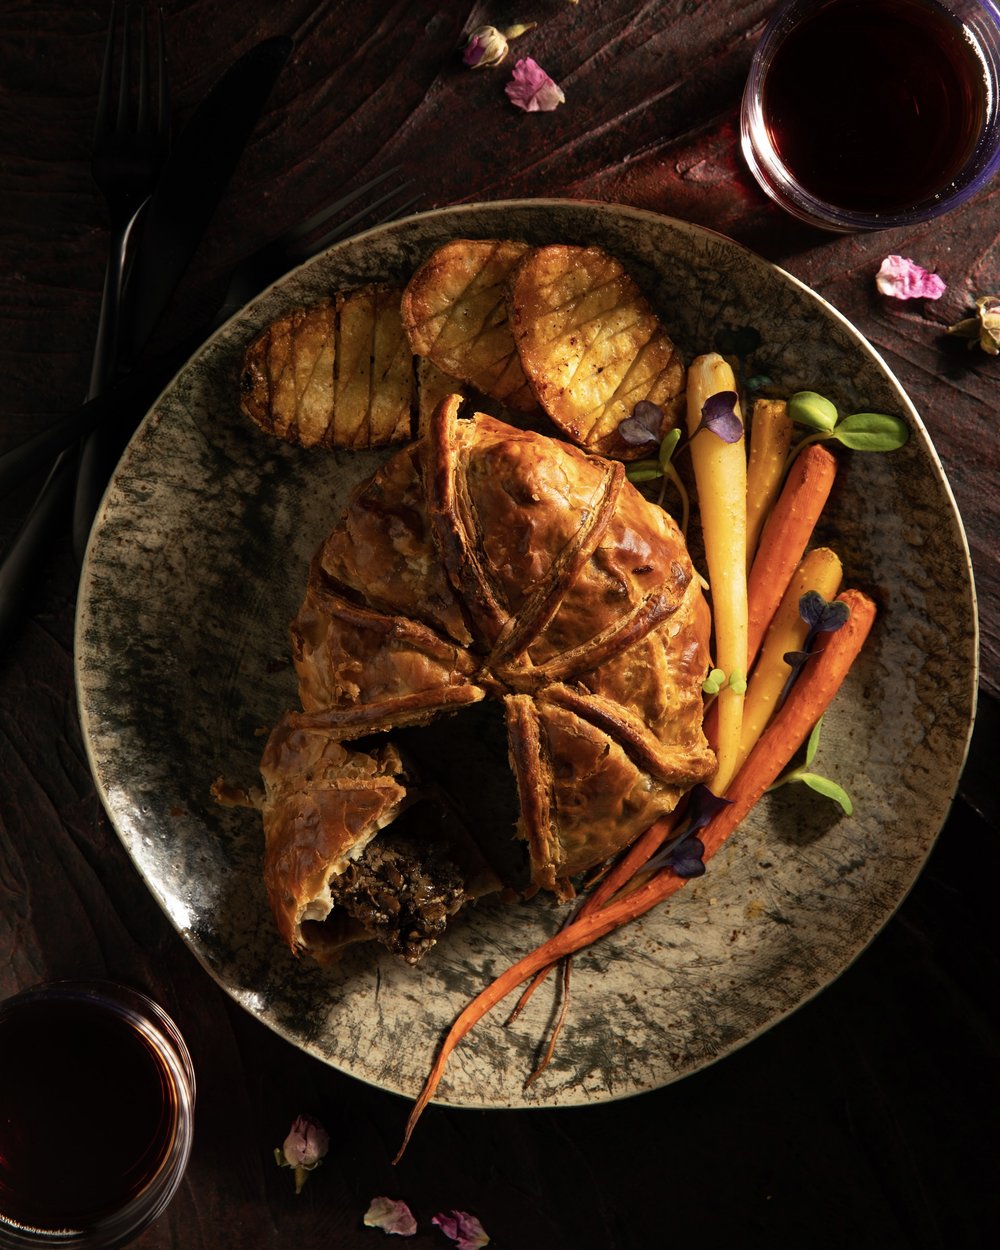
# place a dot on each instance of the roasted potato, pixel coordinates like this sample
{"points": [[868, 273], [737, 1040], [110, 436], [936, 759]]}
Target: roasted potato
{"points": [[591, 346], [339, 374], [454, 314]]}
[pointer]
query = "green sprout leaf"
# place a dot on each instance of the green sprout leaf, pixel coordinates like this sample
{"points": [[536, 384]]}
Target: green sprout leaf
{"points": [[643, 471], [812, 410], [816, 781], [714, 682], [667, 449], [871, 431]]}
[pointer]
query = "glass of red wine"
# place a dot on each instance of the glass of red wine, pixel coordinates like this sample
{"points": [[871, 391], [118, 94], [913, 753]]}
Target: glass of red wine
{"points": [[868, 114], [97, 1097]]}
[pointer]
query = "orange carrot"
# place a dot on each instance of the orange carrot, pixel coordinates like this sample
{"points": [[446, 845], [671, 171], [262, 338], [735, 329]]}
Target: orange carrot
{"points": [[785, 535], [807, 701]]}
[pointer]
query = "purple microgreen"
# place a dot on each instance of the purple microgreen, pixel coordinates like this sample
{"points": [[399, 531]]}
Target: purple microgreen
{"points": [[687, 859], [822, 616], [392, 1215], [704, 805], [464, 1229], [795, 659], [814, 411], [719, 416], [643, 427]]}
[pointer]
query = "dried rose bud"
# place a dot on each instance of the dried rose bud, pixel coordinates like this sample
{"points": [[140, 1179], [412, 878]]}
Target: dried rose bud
{"points": [[486, 46], [303, 1149], [983, 329]]}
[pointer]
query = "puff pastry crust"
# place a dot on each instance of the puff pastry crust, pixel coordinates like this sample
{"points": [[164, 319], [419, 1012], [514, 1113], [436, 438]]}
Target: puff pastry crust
{"points": [[488, 562]]}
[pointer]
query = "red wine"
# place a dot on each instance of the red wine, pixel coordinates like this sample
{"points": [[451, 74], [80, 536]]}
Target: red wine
{"points": [[875, 105], [88, 1112]]}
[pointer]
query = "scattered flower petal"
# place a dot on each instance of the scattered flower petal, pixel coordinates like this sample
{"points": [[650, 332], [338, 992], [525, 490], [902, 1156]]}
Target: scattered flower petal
{"points": [[464, 1229], [532, 89], [644, 425], [718, 414], [486, 46], [983, 329], [392, 1215], [902, 278], [303, 1149]]}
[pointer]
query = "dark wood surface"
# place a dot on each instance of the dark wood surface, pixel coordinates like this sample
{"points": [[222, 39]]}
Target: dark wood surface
{"points": [[869, 1117]]}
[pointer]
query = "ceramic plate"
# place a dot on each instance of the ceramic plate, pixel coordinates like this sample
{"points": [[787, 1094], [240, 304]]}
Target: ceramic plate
{"points": [[198, 560]]}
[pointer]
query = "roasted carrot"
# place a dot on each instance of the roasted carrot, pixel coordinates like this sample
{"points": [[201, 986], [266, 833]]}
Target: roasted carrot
{"points": [[807, 701], [819, 570], [720, 470], [770, 439], [785, 535]]}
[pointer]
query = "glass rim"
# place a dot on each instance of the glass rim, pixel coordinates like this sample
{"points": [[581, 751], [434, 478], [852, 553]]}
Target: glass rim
{"points": [[116, 1228], [981, 21]]}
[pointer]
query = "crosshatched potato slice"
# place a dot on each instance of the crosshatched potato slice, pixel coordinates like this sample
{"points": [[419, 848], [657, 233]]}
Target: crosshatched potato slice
{"points": [[454, 312], [339, 374], [591, 346]]}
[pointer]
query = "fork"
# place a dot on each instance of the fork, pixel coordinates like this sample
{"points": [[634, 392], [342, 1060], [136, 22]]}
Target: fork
{"points": [[131, 138]]}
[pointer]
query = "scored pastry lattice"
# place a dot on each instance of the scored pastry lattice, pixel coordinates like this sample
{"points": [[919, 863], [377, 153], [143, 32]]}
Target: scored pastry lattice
{"points": [[488, 562]]}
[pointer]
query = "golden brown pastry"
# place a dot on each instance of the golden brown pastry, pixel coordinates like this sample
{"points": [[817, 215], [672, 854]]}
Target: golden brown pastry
{"points": [[492, 562]]}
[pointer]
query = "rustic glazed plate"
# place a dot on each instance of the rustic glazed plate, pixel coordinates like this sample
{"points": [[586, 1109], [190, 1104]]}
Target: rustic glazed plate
{"points": [[198, 560]]}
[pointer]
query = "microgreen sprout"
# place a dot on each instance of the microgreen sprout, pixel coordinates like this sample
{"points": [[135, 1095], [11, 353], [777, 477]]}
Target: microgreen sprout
{"points": [[718, 415], [643, 428], [860, 431], [685, 851], [823, 617], [815, 781], [714, 682]]}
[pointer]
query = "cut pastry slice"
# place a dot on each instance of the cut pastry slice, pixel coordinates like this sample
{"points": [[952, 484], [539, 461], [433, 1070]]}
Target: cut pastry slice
{"points": [[591, 346], [455, 314]]}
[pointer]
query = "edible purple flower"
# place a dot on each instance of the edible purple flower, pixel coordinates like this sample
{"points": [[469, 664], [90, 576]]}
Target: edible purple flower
{"points": [[303, 1149], [718, 414], [901, 278], [643, 426], [531, 89], [392, 1215], [464, 1229]]}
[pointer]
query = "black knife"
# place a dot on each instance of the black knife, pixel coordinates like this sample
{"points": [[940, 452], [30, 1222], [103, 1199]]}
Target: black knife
{"points": [[193, 181], [191, 185]]}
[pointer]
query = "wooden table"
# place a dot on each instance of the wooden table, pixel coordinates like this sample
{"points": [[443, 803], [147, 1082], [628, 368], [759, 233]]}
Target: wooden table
{"points": [[867, 1118]]}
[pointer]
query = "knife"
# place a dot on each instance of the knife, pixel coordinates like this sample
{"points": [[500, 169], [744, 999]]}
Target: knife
{"points": [[193, 181], [191, 185]]}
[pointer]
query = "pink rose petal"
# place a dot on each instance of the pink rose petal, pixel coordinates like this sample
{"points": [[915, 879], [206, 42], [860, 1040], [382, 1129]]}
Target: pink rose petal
{"points": [[532, 89], [902, 278], [392, 1215], [464, 1229]]}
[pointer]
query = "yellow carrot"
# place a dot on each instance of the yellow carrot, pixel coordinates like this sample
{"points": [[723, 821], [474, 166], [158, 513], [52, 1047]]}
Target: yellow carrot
{"points": [[770, 441], [820, 570], [720, 471]]}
